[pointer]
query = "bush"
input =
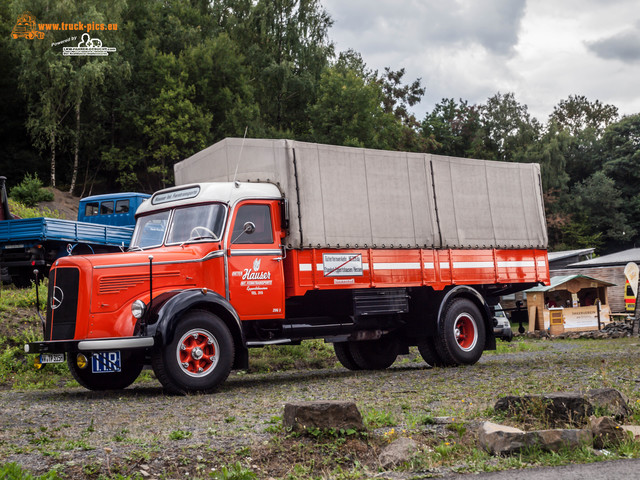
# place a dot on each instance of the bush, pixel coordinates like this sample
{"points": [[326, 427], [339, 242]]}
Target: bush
{"points": [[30, 191], [22, 211]]}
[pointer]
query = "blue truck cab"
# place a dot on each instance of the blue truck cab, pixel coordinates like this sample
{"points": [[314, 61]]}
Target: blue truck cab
{"points": [[111, 208]]}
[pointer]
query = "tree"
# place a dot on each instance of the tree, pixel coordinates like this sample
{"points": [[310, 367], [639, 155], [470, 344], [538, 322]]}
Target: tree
{"points": [[585, 122], [577, 114], [507, 128], [349, 111], [621, 149], [600, 209], [397, 98], [286, 45], [453, 128]]}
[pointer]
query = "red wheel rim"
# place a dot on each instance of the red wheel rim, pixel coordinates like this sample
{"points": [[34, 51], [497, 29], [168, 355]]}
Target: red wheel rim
{"points": [[466, 332], [197, 353]]}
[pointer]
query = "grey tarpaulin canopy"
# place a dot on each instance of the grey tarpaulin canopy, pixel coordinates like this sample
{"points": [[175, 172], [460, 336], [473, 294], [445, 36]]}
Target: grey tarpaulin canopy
{"points": [[344, 196]]}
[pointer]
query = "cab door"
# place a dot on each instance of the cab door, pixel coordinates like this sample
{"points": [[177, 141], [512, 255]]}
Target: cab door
{"points": [[256, 277]]}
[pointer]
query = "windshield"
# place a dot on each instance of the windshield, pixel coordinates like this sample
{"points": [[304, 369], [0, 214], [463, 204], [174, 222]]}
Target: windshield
{"points": [[196, 223], [202, 222]]}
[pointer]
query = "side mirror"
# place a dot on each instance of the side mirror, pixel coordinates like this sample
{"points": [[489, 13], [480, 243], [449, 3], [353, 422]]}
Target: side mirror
{"points": [[249, 228]]}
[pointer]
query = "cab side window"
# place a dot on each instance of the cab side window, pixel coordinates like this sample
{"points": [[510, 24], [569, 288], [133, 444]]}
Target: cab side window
{"points": [[259, 230], [106, 208], [122, 206], [91, 209]]}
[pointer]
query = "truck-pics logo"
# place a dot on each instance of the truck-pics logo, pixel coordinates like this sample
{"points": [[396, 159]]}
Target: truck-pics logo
{"points": [[91, 47], [26, 27]]}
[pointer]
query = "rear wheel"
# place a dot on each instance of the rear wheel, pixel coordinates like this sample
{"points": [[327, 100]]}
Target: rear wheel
{"points": [[429, 353], [200, 356], [461, 333], [375, 354], [131, 366], [343, 352]]}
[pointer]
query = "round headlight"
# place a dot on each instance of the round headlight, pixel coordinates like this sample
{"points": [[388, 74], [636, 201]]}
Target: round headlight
{"points": [[137, 308]]}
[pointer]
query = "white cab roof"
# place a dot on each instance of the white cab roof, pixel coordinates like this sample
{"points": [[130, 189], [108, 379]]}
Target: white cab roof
{"points": [[224, 192]]}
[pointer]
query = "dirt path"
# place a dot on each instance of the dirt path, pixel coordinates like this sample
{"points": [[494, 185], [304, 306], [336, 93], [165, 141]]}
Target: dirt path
{"points": [[140, 429]]}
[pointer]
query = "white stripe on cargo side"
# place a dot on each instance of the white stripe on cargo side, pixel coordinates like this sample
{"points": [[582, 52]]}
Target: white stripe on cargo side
{"points": [[516, 264], [397, 266], [472, 264]]}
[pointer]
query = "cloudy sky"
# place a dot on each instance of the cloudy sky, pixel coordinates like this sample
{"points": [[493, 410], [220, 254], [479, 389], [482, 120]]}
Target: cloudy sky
{"points": [[542, 50]]}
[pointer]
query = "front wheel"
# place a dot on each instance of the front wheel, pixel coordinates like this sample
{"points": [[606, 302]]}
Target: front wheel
{"points": [[131, 366], [200, 356], [461, 333]]}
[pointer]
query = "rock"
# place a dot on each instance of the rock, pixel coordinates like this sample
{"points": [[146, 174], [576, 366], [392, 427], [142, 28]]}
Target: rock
{"points": [[634, 430], [609, 400], [556, 408], [605, 431], [498, 439], [323, 415], [555, 439], [398, 452]]}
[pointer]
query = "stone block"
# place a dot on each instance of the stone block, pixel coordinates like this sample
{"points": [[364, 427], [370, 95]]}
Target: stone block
{"points": [[300, 416]]}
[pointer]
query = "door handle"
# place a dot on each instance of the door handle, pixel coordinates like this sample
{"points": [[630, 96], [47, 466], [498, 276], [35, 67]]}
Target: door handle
{"points": [[277, 259]]}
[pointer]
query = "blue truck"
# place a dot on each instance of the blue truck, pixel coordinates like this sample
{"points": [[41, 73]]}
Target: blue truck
{"points": [[105, 224]]}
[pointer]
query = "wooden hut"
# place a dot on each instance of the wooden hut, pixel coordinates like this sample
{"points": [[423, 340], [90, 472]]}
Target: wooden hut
{"points": [[569, 303]]}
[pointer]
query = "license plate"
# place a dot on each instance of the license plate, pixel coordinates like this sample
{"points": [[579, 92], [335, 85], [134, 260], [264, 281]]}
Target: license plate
{"points": [[51, 357], [106, 362]]}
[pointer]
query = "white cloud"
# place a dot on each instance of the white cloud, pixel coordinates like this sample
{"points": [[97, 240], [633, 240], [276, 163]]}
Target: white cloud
{"points": [[542, 50]]}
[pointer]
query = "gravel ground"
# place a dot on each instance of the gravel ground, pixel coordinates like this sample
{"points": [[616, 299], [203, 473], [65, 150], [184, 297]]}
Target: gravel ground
{"points": [[141, 431]]}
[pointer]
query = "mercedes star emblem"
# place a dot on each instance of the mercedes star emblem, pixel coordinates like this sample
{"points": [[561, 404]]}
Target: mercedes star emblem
{"points": [[57, 298]]}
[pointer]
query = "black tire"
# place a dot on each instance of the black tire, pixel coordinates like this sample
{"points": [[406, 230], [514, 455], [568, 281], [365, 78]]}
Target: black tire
{"points": [[21, 277], [375, 354], [343, 352], [200, 356], [132, 363], [461, 333], [429, 353]]}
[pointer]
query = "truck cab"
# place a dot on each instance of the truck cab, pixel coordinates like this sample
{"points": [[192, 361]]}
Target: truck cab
{"points": [[111, 208]]}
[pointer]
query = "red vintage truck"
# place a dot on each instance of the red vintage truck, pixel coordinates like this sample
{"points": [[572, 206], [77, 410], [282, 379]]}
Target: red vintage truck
{"points": [[266, 242]]}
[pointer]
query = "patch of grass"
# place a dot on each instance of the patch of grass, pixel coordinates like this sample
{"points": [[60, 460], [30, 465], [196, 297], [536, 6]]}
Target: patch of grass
{"points": [[519, 344], [13, 471], [311, 354], [234, 472], [180, 435], [379, 418]]}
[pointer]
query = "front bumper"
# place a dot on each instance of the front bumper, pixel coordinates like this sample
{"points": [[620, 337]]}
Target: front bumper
{"points": [[92, 345]]}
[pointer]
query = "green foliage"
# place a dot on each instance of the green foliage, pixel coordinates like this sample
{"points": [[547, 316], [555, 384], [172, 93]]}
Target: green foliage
{"points": [[234, 472], [311, 354], [29, 191], [187, 74], [20, 210], [379, 418], [180, 434], [12, 471]]}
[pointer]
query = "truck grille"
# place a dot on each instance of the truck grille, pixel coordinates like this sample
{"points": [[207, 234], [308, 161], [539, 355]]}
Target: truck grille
{"points": [[62, 304]]}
